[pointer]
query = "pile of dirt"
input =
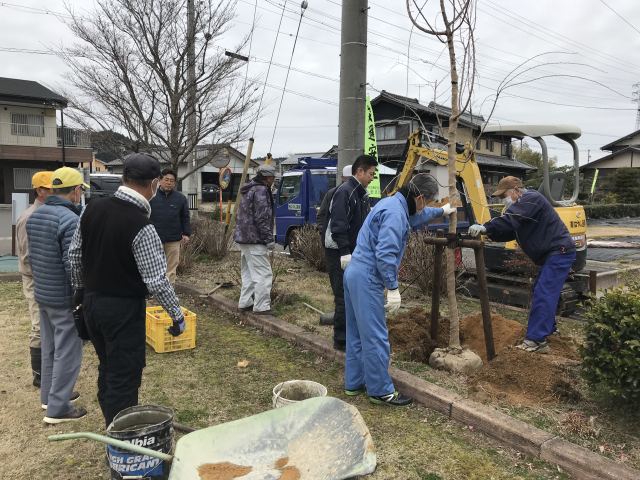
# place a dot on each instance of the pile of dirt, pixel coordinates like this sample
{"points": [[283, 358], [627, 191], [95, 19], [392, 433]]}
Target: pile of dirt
{"points": [[563, 347], [409, 334], [517, 377], [505, 333], [442, 202], [222, 471]]}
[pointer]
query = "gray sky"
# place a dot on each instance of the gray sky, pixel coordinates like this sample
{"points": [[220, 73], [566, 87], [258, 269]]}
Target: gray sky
{"points": [[599, 44]]}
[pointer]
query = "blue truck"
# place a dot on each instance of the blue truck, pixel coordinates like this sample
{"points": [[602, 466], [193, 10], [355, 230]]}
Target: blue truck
{"points": [[300, 195]]}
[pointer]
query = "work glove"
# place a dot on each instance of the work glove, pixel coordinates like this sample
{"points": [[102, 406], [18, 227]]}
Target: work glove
{"points": [[448, 210], [475, 230], [78, 296], [344, 261], [271, 246], [393, 301], [177, 328]]}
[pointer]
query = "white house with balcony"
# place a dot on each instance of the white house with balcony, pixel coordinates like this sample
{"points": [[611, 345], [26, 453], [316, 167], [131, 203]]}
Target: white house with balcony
{"points": [[31, 137]]}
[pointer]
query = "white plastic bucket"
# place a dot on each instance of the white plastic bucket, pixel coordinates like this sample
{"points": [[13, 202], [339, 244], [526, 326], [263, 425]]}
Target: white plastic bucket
{"points": [[294, 391]]}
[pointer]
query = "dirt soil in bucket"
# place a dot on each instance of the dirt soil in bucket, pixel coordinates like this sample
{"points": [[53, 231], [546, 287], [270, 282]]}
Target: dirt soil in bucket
{"points": [[505, 333], [409, 334], [222, 471], [517, 377]]}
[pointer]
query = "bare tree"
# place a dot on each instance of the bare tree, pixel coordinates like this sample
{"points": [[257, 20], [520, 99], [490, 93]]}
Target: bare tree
{"points": [[128, 74], [454, 27]]}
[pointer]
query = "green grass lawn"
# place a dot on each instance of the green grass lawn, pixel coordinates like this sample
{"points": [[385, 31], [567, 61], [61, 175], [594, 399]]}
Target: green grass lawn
{"points": [[205, 387]]}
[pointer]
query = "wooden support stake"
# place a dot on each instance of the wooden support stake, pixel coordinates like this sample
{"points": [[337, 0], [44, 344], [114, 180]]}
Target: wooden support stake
{"points": [[593, 282], [226, 222], [484, 303], [435, 287]]}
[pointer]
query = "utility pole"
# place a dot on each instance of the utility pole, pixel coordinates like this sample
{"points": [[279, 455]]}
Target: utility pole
{"points": [[191, 96], [636, 99], [353, 81]]}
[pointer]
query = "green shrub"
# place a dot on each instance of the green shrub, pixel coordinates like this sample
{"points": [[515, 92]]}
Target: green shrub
{"points": [[611, 354], [612, 211], [610, 199], [627, 184]]}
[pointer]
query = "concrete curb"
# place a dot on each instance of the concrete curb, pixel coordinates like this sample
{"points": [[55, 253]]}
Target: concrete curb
{"points": [[10, 277], [573, 459]]}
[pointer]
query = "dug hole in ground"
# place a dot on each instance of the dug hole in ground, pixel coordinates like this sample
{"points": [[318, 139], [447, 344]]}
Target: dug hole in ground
{"points": [[514, 376]]}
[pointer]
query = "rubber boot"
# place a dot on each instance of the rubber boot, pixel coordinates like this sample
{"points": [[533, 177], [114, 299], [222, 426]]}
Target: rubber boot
{"points": [[36, 365]]}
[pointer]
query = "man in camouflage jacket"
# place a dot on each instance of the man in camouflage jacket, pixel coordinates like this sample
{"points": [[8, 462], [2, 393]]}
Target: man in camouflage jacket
{"points": [[254, 235]]}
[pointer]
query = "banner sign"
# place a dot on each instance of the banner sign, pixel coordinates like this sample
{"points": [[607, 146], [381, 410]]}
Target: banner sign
{"points": [[593, 186], [371, 148]]}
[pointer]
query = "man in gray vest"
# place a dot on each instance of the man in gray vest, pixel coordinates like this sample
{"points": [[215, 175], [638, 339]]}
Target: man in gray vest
{"points": [[49, 230]]}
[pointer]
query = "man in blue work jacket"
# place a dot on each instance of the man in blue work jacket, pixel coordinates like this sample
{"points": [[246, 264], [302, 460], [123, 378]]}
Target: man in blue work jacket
{"points": [[348, 208], [531, 221], [374, 267], [170, 216]]}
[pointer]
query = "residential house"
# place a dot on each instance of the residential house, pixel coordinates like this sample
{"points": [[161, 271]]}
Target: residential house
{"points": [[625, 152], [95, 166], [225, 157], [397, 117], [31, 140]]}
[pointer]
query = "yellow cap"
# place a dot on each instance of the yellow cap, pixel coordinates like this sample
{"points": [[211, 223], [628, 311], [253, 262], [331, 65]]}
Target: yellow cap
{"points": [[67, 177], [42, 179]]}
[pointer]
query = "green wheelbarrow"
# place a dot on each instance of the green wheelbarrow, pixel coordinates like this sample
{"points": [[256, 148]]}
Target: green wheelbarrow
{"points": [[321, 438]]}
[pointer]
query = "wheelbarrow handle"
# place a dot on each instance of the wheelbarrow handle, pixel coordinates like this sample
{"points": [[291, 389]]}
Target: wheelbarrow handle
{"points": [[114, 443]]}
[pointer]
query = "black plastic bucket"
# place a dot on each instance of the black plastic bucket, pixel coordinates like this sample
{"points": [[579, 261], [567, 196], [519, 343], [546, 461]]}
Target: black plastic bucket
{"points": [[148, 426]]}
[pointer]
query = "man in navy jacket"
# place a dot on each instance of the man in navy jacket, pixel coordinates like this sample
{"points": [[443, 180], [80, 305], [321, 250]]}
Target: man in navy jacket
{"points": [[170, 216], [531, 221], [345, 216]]}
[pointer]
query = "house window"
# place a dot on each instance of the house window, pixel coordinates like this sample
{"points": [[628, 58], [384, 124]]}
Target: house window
{"points": [[489, 144], [22, 177], [27, 125], [504, 149], [386, 133]]}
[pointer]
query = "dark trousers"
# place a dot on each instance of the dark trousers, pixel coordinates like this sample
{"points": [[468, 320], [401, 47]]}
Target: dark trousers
{"points": [[117, 327], [339, 318]]}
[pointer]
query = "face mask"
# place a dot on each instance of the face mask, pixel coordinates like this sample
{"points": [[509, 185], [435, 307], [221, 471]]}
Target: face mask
{"points": [[155, 191], [507, 202]]}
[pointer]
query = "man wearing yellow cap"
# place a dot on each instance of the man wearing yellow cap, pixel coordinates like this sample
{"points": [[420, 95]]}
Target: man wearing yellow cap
{"points": [[50, 230], [42, 183]]}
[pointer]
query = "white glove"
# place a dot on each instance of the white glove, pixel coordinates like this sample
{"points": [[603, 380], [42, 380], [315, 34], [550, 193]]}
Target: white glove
{"points": [[393, 301], [448, 210], [271, 246], [475, 230], [344, 261]]}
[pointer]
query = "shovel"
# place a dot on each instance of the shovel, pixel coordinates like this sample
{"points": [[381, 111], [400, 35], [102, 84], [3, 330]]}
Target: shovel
{"points": [[220, 285]]}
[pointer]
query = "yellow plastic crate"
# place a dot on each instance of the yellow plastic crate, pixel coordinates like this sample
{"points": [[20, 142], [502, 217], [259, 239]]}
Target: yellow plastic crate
{"points": [[158, 321]]}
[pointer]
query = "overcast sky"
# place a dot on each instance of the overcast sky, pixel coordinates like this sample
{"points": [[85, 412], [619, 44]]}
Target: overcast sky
{"points": [[600, 46]]}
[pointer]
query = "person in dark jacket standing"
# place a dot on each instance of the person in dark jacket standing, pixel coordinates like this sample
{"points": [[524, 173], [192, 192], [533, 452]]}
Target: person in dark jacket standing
{"points": [[326, 200], [531, 221], [254, 235], [170, 216], [49, 230], [117, 260], [345, 216]]}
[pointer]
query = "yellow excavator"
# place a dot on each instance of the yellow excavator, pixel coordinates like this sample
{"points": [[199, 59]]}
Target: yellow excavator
{"points": [[509, 283]]}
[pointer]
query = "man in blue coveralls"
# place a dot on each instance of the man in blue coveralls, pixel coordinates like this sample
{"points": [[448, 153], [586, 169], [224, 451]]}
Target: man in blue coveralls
{"points": [[531, 221], [374, 267]]}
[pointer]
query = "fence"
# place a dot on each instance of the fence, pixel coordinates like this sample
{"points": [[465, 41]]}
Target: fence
{"points": [[38, 135]]}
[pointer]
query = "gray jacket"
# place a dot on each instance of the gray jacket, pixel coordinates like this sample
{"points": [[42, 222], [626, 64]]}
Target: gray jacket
{"points": [[256, 212]]}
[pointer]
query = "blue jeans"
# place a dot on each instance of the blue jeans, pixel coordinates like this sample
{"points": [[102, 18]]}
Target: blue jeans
{"points": [[368, 349], [546, 293]]}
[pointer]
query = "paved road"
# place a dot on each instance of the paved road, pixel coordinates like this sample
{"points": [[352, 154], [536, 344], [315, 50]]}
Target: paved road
{"points": [[618, 222]]}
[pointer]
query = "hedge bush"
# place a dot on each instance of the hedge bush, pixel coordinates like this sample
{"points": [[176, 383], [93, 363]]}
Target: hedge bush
{"points": [[617, 210], [611, 353]]}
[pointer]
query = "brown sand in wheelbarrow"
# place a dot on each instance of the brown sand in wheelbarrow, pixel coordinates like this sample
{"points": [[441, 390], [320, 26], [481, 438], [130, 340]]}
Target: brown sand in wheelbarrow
{"points": [[222, 471], [288, 473], [409, 334], [505, 333], [517, 377]]}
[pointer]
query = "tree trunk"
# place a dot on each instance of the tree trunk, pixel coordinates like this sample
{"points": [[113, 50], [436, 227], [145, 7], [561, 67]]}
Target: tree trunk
{"points": [[454, 332]]}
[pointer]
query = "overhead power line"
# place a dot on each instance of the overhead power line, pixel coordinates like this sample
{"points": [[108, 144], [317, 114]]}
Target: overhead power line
{"points": [[623, 19]]}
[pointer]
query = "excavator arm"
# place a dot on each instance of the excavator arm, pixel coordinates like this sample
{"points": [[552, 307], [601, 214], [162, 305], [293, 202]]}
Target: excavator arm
{"points": [[470, 185]]}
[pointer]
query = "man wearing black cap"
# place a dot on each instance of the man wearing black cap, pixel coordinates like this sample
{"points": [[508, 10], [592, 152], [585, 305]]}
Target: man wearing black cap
{"points": [[117, 260]]}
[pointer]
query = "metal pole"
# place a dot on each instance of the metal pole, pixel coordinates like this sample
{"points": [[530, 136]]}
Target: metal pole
{"points": [[247, 161], [191, 98], [435, 287], [484, 303], [353, 81], [64, 158]]}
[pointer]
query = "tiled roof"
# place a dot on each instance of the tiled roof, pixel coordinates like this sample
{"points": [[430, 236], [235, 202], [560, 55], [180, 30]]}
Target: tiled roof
{"points": [[28, 90]]}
